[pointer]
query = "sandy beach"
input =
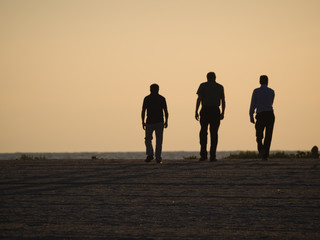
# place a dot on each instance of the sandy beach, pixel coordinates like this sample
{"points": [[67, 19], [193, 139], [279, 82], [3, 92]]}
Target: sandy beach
{"points": [[179, 199]]}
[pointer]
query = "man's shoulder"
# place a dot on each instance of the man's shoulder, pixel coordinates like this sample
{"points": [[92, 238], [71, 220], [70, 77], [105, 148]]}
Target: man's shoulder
{"points": [[209, 84], [259, 89], [271, 90], [160, 97], [147, 97], [219, 85], [212, 84], [200, 88], [154, 96], [203, 84], [256, 90]]}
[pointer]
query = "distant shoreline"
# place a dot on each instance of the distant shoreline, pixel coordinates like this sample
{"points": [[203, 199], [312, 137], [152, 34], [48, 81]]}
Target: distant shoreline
{"points": [[122, 155]]}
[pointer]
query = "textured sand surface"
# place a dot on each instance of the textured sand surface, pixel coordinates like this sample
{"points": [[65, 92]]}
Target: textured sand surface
{"points": [[180, 199]]}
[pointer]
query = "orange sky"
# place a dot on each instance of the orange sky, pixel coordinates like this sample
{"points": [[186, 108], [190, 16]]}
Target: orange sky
{"points": [[73, 74]]}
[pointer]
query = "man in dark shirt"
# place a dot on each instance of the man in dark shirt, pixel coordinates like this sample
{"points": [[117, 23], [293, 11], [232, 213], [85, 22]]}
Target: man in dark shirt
{"points": [[155, 105], [262, 101], [210, 95]]}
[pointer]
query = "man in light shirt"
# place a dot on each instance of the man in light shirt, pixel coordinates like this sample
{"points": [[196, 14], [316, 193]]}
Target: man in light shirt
{"points": [[261, 103]]}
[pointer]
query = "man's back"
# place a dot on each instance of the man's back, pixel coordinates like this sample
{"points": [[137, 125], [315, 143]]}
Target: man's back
{"points": [[155, 104], [211, 93], [262, 99]]}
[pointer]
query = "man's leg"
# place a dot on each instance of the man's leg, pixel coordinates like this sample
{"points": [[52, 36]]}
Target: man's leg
{"points": [[214, 127], [268, 136], [159, 137], [203, 137], [148, 140], [260, 125]]}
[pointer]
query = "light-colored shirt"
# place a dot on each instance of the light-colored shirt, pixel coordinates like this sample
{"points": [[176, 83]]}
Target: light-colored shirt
{"points": [[262, 100], [211, 94]]}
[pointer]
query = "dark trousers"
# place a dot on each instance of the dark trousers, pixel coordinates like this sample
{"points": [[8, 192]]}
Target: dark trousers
{"points": [[265, 122], [209, 116], [158, 129]]}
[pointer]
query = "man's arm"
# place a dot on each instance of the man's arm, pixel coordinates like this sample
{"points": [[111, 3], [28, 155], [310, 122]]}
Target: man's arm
{"points": [[143, 114], [273, 96], [166, 117], [197, 107], [223, 105], [166, 114], [252, 107]]}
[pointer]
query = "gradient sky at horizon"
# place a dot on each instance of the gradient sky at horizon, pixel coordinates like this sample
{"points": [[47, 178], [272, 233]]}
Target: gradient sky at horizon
{"points": [[73, 73]]}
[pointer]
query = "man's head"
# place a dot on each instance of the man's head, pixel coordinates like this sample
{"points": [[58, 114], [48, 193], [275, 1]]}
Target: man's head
{"points": [[264, 80], [211, 76], [154, 88]]}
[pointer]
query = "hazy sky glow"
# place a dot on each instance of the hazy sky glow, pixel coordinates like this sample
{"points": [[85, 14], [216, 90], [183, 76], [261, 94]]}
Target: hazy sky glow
{"points": [[73, 74]]}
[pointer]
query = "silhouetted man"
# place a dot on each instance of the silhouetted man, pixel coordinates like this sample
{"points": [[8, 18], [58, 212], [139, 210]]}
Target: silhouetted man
{"points": [[155, 105], [262, 101], [210, 95]]}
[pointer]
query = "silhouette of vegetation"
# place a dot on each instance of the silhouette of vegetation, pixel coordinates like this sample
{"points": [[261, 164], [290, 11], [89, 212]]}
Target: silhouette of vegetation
{"points": [[30, 157], [190, 157], [244, 155], [281, 155]]}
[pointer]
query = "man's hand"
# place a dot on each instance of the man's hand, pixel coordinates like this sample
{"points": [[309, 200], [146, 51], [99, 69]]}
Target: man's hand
{"points": [[144, 126], [252, 120], [197, 116], [165, 124], [222, 116]]}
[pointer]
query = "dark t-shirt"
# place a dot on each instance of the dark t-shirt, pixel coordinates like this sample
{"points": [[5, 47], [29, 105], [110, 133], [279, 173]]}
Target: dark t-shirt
{"points": [[211, 94], [155, 104]]}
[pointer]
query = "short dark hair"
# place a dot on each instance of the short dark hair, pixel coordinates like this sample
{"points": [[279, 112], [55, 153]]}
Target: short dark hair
{"points": [[154, 88], [211, 76], [264, 79]]}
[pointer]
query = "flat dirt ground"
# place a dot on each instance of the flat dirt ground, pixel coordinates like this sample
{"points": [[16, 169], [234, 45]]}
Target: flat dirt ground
{"points": [[179, 199]]}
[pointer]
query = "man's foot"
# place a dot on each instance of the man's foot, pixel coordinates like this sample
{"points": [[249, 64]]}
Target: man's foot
{"points": [[159, 160], [213, 159], [264, 159], [149, 158], [202, 159]]}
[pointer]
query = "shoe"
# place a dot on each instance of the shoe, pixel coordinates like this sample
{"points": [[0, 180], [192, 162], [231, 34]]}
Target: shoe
{"points": [[264, 159], [149, 158], [213, 159], [202, 159], [159, 161]]}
